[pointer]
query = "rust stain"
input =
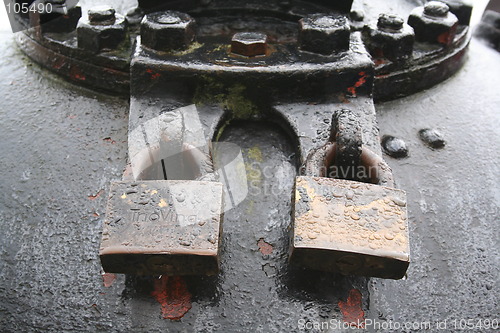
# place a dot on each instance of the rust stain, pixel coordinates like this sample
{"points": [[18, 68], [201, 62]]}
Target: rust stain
{"points": [[109, 140], [445, 38], [76, 74], [173, 295], [98, 194], [359, 83], [108, 279], [153, 74], [363, 224], [352, 309], [58, 64], [264, 247]]}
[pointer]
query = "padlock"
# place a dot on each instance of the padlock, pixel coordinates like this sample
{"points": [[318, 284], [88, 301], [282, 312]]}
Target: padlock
{"points": [[351, 227], [163, 227]]}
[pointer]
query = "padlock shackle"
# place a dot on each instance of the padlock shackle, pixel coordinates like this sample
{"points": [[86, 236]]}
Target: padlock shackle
{"points": [[319, 161]]}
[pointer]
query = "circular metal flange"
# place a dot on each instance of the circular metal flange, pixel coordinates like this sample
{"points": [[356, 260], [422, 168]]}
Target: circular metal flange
{"points": [[217, 21]]}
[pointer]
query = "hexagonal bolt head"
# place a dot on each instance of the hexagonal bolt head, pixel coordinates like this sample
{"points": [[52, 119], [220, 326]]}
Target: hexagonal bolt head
{"points": [[168, 31], [390, 38], [102, 15], [462, 9], [324, 34], [105, 30], [249, 44], [434, 23]]}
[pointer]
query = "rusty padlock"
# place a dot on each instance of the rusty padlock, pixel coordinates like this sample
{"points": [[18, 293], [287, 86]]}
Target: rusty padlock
{"points": [[165, 227], [357, 226]]}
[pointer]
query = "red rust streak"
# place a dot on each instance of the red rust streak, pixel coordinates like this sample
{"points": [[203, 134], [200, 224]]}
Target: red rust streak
{"points": [[173, 295], [108, 279], [264, 247], [93, 197], [108, 139], [352, 309], [153, 74], [76, 74], [361, 81]]}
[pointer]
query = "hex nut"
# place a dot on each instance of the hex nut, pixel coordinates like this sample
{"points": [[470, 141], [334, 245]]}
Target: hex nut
{"points": [[167, 31], [434, 23], [104, 30], [249, 44], [324, 34], [462, 9], [389, 38]]}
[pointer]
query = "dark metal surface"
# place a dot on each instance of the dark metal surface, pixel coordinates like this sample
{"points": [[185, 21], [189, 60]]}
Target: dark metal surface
{"points": [[426, 66], [61, 146]]}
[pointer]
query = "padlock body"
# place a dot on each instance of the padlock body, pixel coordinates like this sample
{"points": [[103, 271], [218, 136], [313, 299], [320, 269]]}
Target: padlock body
{"points": [[350, 227], [163, 228]]}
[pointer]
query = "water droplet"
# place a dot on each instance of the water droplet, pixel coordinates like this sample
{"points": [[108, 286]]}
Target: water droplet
{"points": [[181, 197]]}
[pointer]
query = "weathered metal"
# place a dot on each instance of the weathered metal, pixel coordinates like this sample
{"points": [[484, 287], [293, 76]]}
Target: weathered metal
{"points": [[434, 23], [432, 137], [214, 69], [350, 228], [394, 147], [390, 38], [163, 227], [425, 67], [461, 8], [167, 31], [249, 44], [449, 227], [324, 34], [104, 30]]}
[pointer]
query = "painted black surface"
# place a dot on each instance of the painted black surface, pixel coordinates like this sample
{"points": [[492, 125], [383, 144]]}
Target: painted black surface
{"points": [[57, 151]]}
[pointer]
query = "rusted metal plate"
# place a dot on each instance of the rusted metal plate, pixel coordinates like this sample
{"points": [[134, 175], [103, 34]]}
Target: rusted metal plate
{"points": [[163, 227], [350, 227]]}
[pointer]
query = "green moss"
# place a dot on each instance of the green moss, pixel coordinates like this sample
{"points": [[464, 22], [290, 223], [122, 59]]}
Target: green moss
{"points": [[231, 98], [193, 47]]}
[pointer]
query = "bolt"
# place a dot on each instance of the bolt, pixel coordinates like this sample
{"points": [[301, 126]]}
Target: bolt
{"points": [[167, 31], [104, 30], [389, 22], [134, 15], [389, 38], [394, 147], [324, 34], [357, 15], [102, 15], [432, 138], [434, 23], [249, 44]]}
